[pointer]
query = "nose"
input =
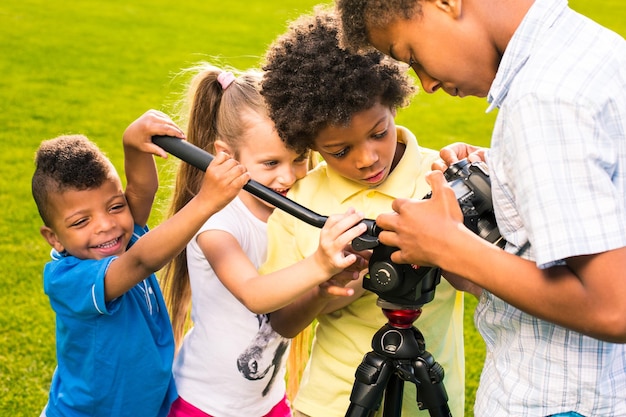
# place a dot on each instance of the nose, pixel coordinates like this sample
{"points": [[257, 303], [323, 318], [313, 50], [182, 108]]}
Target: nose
{"points": [[105, 223], [365, 156], [429, 84]]}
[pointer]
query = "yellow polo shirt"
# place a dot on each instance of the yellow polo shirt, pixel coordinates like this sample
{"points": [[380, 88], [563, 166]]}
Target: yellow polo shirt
{"points": [[344, 336]]}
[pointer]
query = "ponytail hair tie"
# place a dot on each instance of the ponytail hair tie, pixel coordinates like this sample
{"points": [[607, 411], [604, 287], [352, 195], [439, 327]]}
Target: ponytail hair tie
{"points": [[225, 78]]}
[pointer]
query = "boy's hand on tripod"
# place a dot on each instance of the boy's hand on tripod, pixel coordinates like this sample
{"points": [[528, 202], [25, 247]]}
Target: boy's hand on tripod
{"points": [[347, 285], [344, 284], [452, 153], [341, 290]]}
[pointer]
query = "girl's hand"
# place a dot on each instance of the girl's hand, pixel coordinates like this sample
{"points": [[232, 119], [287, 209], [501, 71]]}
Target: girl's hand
{"points": [[333, 253]]}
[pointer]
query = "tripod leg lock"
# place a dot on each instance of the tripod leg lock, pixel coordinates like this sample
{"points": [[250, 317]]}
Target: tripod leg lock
{"points": [[372, 376], [431, 396]]}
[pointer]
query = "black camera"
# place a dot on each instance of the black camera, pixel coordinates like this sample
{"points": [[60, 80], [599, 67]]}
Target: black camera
{"points": [[472, 187], [413, 285]]}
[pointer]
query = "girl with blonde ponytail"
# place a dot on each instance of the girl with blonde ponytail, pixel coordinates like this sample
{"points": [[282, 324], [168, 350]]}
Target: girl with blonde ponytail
{"points": [[230, 361]]}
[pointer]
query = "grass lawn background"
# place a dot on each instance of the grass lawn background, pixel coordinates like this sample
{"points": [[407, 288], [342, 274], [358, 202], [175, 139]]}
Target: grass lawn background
{"points": [[92, 67]]}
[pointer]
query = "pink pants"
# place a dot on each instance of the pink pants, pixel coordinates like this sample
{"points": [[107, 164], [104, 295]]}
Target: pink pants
{"points": [[181, 408]]}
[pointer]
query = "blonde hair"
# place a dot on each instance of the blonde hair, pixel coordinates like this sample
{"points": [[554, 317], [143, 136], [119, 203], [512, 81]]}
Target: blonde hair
{"points": [[212, 112]]}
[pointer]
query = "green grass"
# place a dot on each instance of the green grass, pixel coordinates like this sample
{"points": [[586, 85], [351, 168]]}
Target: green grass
{"points": [[92, 67]]}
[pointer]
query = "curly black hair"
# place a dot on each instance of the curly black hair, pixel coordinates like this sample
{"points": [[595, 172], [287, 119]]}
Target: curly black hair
{"points": [[357, 16], [310, 82], [69, 162]]}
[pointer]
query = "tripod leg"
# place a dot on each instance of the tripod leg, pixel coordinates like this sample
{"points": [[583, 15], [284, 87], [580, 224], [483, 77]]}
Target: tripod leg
{"points": [[371, 380], [431, 394], [393, 397]]}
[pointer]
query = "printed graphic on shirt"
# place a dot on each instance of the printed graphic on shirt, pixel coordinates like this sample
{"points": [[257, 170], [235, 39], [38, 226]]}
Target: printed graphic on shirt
{"points": [[264, 354]]}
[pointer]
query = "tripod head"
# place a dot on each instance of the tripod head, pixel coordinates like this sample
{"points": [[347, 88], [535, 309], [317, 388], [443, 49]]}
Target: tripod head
{"points": [[399, 286]]}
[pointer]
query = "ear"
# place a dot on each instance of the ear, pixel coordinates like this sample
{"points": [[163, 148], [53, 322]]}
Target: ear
{"points": [[453, 7], [221, 146], [51, 238]]}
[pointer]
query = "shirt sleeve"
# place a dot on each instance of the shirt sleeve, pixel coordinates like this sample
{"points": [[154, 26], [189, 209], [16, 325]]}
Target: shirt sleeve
{"points": [[564, 175], [76, 287]]}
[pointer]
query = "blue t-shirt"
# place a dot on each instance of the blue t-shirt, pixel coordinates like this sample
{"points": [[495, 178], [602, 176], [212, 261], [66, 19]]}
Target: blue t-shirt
{"points": [[114, 358]]}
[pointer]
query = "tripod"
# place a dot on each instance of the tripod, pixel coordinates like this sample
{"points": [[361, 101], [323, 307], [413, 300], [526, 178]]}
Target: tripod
{"points": [[398, 355]]}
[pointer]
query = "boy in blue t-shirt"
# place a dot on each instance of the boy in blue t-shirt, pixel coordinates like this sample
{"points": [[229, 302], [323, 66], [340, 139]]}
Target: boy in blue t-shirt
{"points": [[115, 345]]}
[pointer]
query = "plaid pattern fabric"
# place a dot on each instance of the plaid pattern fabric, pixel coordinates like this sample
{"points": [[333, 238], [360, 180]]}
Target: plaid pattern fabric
{"points": [[558, 172]]}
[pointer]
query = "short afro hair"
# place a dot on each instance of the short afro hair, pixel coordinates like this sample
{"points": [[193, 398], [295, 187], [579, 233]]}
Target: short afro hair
{"points": [[310, 82], [358, 16], [69, 162]]}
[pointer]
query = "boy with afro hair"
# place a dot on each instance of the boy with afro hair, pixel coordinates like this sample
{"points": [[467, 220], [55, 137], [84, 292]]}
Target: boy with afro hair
{"points": [[342, 105]]}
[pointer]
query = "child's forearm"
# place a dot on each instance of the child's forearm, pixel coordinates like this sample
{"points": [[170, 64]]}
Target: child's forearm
{"points": [[142, 183], [288, 284], [140, 168], [155, 249], [292, 319], [222, 181]]}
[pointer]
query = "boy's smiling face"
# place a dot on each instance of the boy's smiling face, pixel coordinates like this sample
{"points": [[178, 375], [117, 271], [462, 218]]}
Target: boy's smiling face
{"points": [[364, 150], [90, 224]]}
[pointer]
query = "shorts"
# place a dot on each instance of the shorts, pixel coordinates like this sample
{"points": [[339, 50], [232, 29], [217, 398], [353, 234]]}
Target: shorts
{"points": [[181, 408]]}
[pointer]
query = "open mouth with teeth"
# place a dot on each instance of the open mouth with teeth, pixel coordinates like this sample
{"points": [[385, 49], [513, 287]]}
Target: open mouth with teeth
{"points": [[109, 244]]}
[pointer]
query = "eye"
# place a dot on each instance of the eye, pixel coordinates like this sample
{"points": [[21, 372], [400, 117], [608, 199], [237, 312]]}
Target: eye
{"points": [[80, 222], [341, 153], [115, 208], [380, 135], [412, 62], [270, 164]]}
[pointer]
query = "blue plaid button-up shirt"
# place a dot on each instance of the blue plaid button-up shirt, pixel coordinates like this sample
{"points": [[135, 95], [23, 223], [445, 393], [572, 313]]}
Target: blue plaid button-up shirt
{"points": [[558, 172]]}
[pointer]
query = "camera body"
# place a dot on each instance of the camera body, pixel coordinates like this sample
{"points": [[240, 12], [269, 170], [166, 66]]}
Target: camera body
{"points": [[472, 188], [412, 285]]}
